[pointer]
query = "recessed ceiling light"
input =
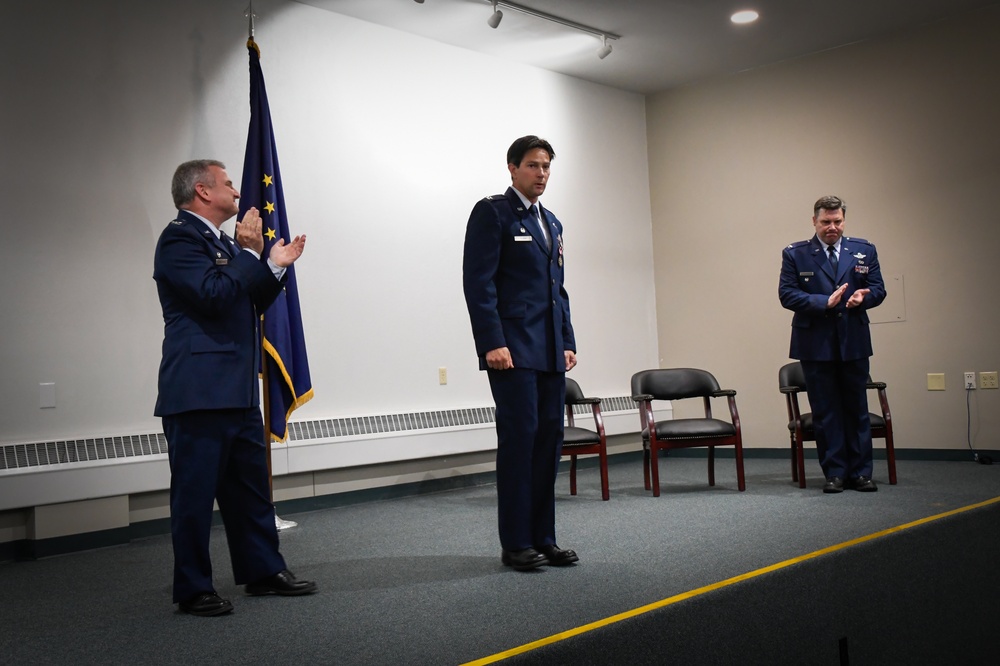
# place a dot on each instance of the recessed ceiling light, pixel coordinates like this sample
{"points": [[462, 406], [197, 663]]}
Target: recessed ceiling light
{"points": [[745, 16]]}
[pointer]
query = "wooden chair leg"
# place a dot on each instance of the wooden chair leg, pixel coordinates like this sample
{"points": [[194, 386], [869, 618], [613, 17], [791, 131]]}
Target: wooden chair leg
{"points": [[654, 456], [603, 459], [740, 478], [645, 464], [572, 475], [800, 459], [791, 446], [711, 465], [890, 456]]}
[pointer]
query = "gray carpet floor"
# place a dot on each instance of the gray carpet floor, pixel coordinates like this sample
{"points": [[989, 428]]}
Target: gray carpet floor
{"points": [[418, 580]]}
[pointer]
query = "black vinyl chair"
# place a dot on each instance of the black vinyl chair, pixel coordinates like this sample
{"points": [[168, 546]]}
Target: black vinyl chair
{"points": [[579, 441], [791, 382], [679, 384]]}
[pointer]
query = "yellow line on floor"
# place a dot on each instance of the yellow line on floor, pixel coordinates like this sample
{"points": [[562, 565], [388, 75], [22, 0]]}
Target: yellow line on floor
{"points": [[555, 638]]}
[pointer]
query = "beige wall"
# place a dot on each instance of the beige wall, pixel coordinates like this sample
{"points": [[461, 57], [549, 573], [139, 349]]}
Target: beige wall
{"points": [[907, 130]]}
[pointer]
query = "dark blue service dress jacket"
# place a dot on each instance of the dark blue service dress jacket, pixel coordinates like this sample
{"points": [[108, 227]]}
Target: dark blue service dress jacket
{"points": [[806, 282], [211, 296], [514, 284]]}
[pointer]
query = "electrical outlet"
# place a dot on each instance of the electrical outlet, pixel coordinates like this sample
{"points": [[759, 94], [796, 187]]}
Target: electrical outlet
{"points": [[988, 380], [935, 381], [442, 376], [970, 381]]}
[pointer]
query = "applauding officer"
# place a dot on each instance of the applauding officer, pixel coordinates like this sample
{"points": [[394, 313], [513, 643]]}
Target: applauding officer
{"points": [[830, 282], [212, 290]]}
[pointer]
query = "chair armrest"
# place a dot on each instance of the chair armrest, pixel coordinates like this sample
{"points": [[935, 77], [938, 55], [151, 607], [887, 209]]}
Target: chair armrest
{"points": [[599, 419], [876, 385], [793, 389], [644, 404], [723, 393], [587, 401], [733, 412]]}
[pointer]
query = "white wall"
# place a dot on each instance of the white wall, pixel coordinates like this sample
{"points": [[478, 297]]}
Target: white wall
{"points": [[386, 140]]}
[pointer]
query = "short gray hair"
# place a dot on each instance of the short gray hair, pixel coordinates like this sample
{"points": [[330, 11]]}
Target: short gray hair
{"points": [[829, 203], [190, 174]]}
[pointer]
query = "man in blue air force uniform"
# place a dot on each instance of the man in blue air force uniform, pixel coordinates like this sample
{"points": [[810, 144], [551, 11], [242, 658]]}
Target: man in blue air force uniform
{"points": [[513, 280], [830, 282], [212, 290]]}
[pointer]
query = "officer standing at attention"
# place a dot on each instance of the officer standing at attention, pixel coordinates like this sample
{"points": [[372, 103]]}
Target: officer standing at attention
{"points": [[513, 280], [830, 282]]}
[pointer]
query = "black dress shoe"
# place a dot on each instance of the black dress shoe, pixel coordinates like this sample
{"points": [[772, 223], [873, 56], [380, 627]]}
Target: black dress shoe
{"points": [[834, 484], [282, 583], [558, 557], [523, 560], [864, 484], [206, 605]]}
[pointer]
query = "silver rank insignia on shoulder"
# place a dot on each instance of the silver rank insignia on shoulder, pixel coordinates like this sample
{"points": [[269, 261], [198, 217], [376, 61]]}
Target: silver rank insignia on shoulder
{"points": [[176, 222]]}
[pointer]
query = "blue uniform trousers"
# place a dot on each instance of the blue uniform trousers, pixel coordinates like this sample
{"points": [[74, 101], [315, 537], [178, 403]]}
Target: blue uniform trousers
{"points": [[529, 418], [839, 403], [219, 455]]}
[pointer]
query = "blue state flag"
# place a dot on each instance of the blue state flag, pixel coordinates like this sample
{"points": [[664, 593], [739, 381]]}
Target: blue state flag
{"points": [[284, 347]]}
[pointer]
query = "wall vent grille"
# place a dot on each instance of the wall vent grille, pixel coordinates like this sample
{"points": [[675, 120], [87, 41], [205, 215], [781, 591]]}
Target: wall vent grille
{"points": [[39, 454], [16, 456]]}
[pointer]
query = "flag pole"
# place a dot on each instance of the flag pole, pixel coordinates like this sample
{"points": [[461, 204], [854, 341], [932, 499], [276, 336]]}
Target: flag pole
{"points": [[267, 412], [248, 12], [279, 523]]}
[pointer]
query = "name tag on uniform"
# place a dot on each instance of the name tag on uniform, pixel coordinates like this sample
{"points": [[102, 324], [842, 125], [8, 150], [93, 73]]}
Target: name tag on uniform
{"points": [[806, 274], [520, 239], [221, 262]]}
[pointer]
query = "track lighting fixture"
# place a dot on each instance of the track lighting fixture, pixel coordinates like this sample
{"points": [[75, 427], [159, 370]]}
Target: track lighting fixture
{"points": [[605, 50], [494, 20]]}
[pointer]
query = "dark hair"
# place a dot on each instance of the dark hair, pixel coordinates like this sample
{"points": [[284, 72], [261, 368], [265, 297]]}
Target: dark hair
{"points": [[521, 146], [190, 174], [829, 203]]}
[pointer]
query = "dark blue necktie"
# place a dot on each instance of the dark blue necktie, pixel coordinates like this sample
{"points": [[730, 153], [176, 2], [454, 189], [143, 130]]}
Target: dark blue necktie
{"points": [[833, 260], [541, 225]]}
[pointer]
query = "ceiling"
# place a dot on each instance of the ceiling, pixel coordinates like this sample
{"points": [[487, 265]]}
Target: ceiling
{"points": [[664, 43]]}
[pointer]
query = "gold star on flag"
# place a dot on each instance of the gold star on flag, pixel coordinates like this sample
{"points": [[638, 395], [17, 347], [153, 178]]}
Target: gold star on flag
{"points": [[267, 180], [269, 207], [270, 234]]}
